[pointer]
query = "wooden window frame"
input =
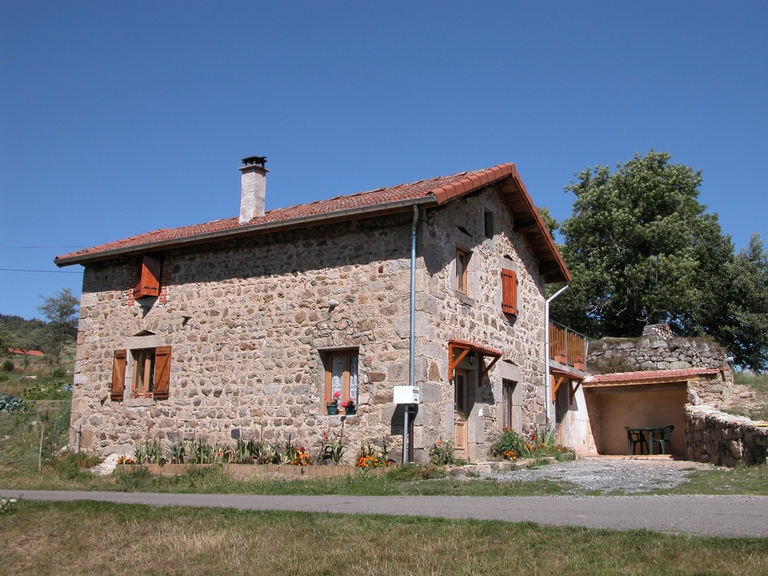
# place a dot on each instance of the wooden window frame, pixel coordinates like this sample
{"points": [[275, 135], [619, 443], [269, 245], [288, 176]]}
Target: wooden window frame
{"points": [[462, 268], [350, 362], [155, 367], [509, 292]]}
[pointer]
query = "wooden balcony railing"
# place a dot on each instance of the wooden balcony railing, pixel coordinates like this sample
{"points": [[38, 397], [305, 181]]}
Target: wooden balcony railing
{"points": [[566, 344]]}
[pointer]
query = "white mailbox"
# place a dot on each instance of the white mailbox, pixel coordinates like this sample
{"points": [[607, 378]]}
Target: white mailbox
{"points": [[406, 394]]}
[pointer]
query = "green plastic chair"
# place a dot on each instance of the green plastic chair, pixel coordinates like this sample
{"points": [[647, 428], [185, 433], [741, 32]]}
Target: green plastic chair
{"points": [[665, 439], [635, 438]]}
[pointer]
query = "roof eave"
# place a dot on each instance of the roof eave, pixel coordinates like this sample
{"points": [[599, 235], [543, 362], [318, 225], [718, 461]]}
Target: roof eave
{"points": [[248, 230]]}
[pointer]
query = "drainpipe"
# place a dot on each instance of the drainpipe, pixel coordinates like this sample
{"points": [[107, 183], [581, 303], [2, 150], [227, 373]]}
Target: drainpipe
{"points": [[412, 351], [547, 379]]}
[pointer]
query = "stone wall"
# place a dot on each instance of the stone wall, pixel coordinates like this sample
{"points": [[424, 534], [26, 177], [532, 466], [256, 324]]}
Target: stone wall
{"points": [[723, 439], [610, 355], [249, 321]]}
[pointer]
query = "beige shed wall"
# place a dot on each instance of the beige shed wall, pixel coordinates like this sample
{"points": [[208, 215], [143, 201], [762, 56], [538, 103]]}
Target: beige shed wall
{"points": [[611, 410]]}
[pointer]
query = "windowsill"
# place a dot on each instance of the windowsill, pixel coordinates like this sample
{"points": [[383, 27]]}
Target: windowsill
{"points": [[138, 402], [464, 299]]}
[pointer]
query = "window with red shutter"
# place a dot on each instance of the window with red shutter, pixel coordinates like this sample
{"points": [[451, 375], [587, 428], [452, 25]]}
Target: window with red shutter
{"points": [[149, 276], [509, 292]]}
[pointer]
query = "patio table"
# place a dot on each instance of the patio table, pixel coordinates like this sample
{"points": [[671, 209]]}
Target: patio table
{"points": [[642, 430]]}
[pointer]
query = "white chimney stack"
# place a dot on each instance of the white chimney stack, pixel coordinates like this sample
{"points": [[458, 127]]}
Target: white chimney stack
{"points": [[253, 188]]}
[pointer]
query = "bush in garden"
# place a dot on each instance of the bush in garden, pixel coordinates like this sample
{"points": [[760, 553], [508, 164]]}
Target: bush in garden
{"points": [[10, 403], [442, 452], [509, 446]]}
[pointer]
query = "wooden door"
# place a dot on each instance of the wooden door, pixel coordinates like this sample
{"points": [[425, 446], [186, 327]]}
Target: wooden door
{"points": [[460, 405]]}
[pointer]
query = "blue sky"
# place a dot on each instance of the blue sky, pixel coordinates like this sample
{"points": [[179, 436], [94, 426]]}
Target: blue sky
{"points": [[118, 118]]}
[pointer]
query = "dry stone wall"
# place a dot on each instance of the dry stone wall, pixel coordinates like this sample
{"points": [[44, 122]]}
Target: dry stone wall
{"points": [[722, 439], [610, 355]]}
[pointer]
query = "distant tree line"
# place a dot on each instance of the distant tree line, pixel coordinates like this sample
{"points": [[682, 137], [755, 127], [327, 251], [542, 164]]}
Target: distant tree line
{"points": [[643, 250], [51, 336]]}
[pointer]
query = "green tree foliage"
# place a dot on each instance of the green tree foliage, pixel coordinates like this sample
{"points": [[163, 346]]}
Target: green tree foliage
{"points": [[643, 250], [743, 327], [61, 312]]}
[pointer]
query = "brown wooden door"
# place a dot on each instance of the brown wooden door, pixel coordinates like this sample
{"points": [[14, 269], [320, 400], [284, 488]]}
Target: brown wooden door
{"points": [[460, 405]]}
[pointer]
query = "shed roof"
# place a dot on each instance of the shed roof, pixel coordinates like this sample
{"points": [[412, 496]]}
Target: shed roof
{"points": [[647, 377], [400, 198]]}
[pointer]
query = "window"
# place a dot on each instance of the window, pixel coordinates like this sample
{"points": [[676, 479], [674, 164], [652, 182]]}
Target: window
{"points": [[149, 277], [460, 403], [508, 402], [488, 221], [509, 292], [150, 370], [462, 264], [341, 375]]}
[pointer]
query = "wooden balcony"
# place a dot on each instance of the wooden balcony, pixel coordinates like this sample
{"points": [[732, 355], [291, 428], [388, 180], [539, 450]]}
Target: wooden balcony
{"points": [[567, 346]]}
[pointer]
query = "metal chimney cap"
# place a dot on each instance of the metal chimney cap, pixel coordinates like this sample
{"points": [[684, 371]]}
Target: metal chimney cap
{"points": [[255, 161]]}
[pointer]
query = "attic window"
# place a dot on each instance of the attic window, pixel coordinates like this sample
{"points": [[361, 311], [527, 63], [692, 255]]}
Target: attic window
{"points": [[462, 265], [488, 221], [149, 276]]}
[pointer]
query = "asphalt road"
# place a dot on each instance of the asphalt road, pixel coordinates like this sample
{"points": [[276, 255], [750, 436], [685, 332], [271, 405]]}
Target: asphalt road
{"points": [[731, 516]]}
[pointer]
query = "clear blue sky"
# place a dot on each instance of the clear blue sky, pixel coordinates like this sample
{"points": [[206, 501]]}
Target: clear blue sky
{"points": [[118, 118]]}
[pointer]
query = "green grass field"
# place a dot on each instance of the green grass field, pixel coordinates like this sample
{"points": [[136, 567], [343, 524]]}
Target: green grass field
{"points": [[97, 538]]}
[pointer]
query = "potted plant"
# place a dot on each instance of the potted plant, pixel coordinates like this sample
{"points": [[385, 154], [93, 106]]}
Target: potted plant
{"points": [[332, 403], [579, 364], [560, 356], [349, 406]]}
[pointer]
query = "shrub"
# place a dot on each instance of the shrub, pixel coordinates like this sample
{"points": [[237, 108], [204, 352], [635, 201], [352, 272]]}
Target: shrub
{"points": [[510, 446], [10, 403], [8, 365], [442, 452]]}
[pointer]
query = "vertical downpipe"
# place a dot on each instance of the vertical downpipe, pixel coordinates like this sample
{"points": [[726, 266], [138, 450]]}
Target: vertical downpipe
{"points": [[412, 349], [547, 379]]}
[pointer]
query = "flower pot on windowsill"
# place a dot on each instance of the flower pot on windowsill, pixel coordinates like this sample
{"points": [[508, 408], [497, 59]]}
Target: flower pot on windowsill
{"points": [[560, 358], [579, 366], [349, 410], [333, 409]]}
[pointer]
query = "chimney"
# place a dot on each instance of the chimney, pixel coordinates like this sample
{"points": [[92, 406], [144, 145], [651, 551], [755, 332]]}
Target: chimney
{"points": [[253, 188]]}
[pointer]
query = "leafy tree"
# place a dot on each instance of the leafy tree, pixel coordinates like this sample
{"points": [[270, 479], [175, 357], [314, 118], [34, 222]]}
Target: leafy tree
{"points": [[743, 326], [643, 250], [61, 312]]}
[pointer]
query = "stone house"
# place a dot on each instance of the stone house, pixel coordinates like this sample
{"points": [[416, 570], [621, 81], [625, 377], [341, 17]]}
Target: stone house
{"points": [[242, 327]]}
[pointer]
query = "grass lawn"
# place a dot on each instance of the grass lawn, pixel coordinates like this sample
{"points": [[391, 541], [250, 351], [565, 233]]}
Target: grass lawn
{"points": [[99, 538]]}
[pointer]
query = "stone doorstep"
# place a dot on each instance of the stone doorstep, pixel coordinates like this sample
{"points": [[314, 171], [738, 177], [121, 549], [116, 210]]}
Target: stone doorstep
{"points": [[245, 471]]}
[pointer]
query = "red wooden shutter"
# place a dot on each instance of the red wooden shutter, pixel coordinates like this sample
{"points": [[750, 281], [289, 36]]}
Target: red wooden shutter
{"points": [[149, 277], [162, 372], [118, 375], [509, 292]]}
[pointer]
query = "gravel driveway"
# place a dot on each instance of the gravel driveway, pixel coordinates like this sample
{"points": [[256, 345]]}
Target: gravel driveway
{"points": [[607, 475]]}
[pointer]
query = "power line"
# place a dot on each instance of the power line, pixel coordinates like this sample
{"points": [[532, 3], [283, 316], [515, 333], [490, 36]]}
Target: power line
{"points": [[36, 247], [44, 271]]}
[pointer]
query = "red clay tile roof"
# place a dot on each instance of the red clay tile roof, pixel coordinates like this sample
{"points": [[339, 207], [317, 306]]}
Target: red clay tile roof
{"points": [[648, 375], [434, 191]]}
